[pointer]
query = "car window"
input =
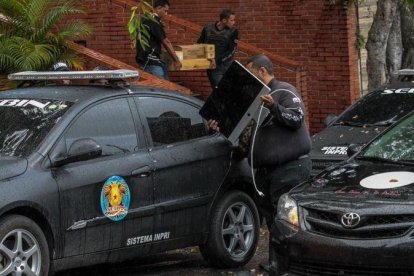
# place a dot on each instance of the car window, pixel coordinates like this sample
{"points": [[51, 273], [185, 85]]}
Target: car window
{"points": [[171, 121], [26, 122], [110, 124], [396, 144], [381, 107]]}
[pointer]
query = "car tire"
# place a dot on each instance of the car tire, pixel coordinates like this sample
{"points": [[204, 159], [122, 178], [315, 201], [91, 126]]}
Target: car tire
{"points": [[23, 247], [234, 231]]}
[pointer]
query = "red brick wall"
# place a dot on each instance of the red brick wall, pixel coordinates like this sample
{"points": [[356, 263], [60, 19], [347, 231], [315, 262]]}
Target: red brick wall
{"points": [[314, 33], [319, 36]]}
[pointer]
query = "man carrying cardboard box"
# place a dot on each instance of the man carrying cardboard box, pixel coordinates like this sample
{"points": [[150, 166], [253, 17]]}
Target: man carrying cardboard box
{"points": [[149, 58], [225, 38]]}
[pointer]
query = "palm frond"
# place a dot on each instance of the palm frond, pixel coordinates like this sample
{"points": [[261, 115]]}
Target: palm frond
{"points": [[54, 15], [7, 62], [138, 32], [15, 13], [74, 30], [35, 10], [33, 38], [30, 56], [12, 8], [74, 61]]}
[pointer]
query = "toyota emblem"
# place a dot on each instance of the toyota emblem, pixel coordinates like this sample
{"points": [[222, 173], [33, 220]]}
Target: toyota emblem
{"points": [[350, 220]]}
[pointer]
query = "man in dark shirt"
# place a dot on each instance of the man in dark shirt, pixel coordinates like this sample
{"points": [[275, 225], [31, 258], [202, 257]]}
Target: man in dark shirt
{"points": [[281, 142], [149, 58], [224, 37]]}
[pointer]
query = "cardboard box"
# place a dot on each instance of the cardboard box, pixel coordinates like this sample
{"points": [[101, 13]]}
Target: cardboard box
{"points": [[196, 51], [192, 57]]}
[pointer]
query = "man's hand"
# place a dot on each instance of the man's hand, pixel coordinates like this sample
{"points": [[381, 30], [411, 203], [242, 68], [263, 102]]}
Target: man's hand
{"points": [[213, 125], [267, 100], [213, 64], [177, 65]]}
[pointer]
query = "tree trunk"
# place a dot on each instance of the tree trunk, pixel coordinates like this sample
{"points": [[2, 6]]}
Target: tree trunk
{"points": [[407, 29], [394, 46], [377, 42]]}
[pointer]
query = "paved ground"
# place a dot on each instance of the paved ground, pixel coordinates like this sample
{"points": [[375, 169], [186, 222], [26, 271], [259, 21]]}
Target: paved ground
{"points": [[183, 262]]}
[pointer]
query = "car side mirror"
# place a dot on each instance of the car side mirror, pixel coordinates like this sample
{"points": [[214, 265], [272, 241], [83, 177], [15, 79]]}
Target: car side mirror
{"points": [[354, 148], [330, 119], [80, 150]]}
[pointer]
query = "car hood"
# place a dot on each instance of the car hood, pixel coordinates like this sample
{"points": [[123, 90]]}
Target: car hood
{"points": [[333, 141], [344, 183], [11, 167]]}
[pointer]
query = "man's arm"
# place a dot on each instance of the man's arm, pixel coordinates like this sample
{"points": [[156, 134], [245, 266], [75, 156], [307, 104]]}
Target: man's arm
{"points": [[202, 38], [168, 46], [234, 39], [289, 111]]}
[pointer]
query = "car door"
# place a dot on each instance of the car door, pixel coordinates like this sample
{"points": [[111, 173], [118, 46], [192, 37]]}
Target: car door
{"points": [[190, 164], [106, 200]]}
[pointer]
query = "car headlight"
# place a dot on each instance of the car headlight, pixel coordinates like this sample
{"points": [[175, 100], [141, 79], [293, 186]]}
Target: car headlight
{"points": [[287, 210]]}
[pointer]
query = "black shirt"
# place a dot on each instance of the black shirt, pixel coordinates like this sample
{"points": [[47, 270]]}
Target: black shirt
{"points": [[225, 41], [157, 35], [283, 135]]}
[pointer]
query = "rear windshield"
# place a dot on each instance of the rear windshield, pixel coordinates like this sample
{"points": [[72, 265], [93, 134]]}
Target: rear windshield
{"points": [[381, 107], [25, 123]]}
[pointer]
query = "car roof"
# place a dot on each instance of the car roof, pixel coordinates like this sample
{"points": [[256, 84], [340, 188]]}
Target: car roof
{"points": [[72, 93], [88, 93], [396, 84]]}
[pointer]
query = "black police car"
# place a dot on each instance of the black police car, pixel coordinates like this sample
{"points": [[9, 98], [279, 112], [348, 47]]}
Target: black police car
{"points": [[361, 122], [92, 173], [356, 218]]}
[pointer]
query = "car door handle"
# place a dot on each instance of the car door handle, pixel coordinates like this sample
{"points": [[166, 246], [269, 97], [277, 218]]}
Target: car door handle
{"points": [[142, 172]]}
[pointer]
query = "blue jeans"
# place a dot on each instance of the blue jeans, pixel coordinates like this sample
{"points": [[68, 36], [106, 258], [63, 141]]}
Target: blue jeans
{"points": [[160, 70]]}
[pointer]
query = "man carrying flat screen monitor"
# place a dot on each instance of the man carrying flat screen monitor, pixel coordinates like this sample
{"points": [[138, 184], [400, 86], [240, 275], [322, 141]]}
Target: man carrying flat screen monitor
{"points": [[281, 142]]}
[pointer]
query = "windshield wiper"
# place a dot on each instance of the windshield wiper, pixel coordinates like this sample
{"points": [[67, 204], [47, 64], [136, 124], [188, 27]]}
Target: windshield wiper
{"points": [[409, 162], [349, 123], [380, 159], [385, 123], [356, 124]]}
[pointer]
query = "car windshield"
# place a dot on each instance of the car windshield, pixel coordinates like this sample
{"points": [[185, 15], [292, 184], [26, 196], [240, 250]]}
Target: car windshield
{"points": [[379, 108], [25, 123], [395, 145]]}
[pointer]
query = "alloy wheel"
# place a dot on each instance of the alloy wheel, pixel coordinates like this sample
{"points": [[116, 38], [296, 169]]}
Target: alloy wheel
{"points": [[20, 254], [238, 229]]}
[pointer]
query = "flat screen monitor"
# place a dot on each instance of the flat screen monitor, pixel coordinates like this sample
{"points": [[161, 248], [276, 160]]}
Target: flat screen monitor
{"points": [[235, 101]]}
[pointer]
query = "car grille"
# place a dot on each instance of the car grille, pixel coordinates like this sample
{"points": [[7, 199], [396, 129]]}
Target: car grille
{"points": [[310, 268], [371, 226]]}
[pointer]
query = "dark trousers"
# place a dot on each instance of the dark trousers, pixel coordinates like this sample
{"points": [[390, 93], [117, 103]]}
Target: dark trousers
{"points": [[275, 181], [215, 75]]}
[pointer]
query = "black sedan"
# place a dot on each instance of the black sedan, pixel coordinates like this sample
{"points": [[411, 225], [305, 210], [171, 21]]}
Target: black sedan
{"points": [[92, 174], [361, 122], [356, 218]]}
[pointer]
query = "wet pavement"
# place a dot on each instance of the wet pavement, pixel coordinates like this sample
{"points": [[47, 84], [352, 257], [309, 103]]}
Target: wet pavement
{"points": [[183, 262]]}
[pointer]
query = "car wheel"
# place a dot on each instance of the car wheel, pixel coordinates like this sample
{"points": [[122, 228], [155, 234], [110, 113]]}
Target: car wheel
{"points": [[234, 231], [23, 247]]}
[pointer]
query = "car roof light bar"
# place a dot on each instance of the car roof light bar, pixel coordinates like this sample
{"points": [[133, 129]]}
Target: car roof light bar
{"points": [[75, 75]]}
